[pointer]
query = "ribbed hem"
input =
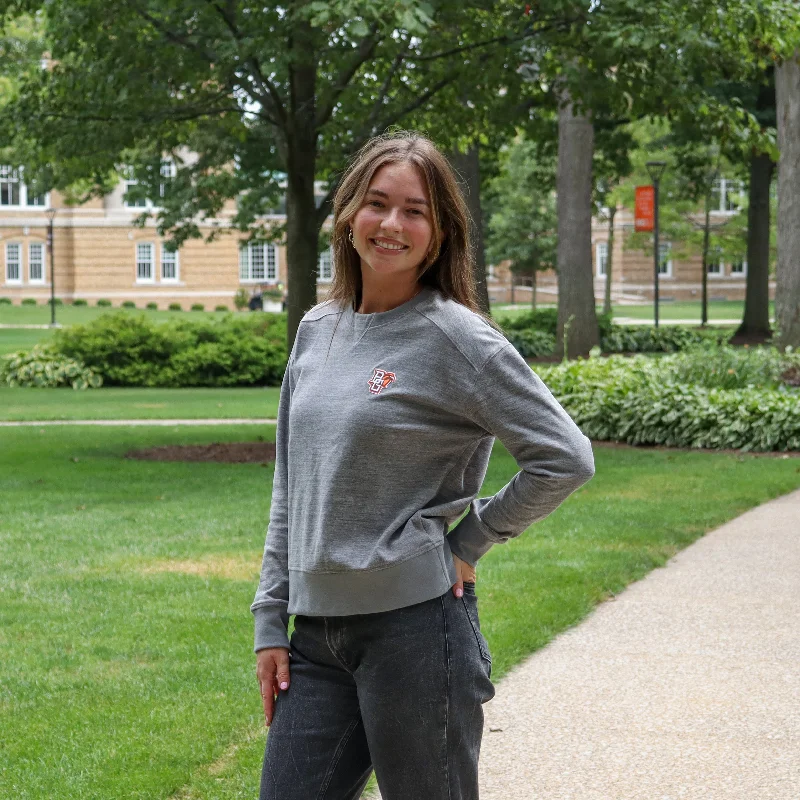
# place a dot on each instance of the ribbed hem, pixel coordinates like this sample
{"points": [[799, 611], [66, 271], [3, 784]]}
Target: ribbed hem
{"points": [[470, 540], [271, 627], [415, 580]]}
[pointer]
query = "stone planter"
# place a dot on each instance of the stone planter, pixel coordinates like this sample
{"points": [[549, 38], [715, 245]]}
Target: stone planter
{"points": [[269, 304]]}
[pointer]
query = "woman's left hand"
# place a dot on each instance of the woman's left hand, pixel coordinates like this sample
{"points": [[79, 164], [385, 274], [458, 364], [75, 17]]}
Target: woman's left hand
{"points": [[465, 573]]}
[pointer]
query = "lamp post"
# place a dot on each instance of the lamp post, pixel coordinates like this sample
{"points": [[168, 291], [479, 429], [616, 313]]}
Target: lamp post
{"points": [[655, 169], [51, 213]]}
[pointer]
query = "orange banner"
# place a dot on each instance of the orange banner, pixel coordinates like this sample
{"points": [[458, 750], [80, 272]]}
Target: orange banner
{"points": [[645, 207]]}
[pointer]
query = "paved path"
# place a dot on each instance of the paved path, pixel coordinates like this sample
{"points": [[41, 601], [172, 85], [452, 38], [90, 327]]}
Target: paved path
{"points": [[164, 422], [686, 687]]}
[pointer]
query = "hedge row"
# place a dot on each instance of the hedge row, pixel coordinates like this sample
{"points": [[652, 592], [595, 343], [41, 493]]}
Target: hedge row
{"points": [[131, 350], [643, 401]]}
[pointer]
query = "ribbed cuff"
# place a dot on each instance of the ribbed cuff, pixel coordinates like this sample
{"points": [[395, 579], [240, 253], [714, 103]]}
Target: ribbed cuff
{"points": [[271, 627], [471, 539]]}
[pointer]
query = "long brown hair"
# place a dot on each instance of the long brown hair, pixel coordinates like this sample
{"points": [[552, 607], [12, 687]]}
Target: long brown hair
{"points": [[449, 264]]}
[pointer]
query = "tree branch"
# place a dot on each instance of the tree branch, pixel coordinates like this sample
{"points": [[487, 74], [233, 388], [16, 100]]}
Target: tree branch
{"points": [[364, 50]]}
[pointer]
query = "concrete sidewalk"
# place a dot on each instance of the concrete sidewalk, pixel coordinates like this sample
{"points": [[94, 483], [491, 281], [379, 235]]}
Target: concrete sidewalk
{"points": [[134, 422], [686, 687]]}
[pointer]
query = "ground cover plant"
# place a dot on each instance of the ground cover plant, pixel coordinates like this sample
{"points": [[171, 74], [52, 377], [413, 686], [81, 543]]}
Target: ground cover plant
{"points": [[706, 398], [41, 368], [128, 668]]}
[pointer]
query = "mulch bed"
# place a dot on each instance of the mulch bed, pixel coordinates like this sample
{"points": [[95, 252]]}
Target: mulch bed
{"points": [[222, 452]]}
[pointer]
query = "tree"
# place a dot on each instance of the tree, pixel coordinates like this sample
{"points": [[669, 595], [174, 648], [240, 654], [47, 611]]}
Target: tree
{"points": [[522, 226], [266, 99], [787, 294]]}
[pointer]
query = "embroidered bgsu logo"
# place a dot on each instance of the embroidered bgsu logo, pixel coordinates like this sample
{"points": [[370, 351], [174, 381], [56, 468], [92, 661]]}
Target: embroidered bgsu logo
{"points": [[380, 380]]}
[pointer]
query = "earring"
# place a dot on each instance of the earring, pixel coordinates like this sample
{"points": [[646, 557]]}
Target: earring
{"points": [[350, 236]]}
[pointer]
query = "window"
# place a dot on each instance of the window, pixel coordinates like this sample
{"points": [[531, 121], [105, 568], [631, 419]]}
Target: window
{"points": [[601, 259], [144, 262], [739, 268], [36, 262], [139, 202], [10, 187], [724, 195], [13, 268], [258, 262], [490, 273], [714, 263], [169, 264], [664, 261], [325, 266], [168, 172]]}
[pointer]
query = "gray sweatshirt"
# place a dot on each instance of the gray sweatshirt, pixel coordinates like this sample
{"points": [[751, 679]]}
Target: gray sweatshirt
{"points": [[386, 423]]}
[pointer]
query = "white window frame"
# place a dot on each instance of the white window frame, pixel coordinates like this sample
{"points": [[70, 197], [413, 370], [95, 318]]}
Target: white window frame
{"points": [[739, 274], [18, 280], [727, 186], [325, 266], [664, 268], [169, 171], [137, 204], [172, 258], [41, 261], [268, 261], [10, 176], [151, 261], [601, 259]]}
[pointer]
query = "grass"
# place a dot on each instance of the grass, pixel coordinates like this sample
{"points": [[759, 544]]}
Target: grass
{"points": [[13, 339], [133, 403], [127, 668], [78, 315]]}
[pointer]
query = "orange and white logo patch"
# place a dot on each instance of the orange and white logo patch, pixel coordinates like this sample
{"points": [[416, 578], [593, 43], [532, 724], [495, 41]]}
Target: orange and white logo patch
{"points": [[380, 380]]}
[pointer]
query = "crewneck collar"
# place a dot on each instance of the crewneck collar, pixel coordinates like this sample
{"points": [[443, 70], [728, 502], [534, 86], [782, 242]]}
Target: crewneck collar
{"points": [[363, 321]]}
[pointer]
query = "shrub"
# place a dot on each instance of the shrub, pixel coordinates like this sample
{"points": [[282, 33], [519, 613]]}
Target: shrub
{"points": [[5, 301], [198, 307], [644, 401], [532, 343], [103, 303], [175, 307], [220, 308], [241, 298], [29, 301], [130, 350], [80, 302], [128, 304], [152, 306], [43, 368], [543, 319]]}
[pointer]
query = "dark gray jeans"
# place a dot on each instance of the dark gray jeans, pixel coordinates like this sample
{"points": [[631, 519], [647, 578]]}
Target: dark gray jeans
{"points": [[399, 691]]}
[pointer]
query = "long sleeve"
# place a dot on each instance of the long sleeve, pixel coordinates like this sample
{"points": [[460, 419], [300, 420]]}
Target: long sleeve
{"points": [[272, 596], [555, 458]]}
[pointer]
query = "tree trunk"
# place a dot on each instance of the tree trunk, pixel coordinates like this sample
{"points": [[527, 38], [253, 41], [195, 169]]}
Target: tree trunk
{"points": [[704, 259], [755, 323], [576, 303], [302, 228], [612, 212], [467, 166], [787, 292], [533, 290]]}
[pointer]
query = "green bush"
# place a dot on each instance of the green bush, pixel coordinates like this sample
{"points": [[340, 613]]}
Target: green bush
{"points": [[543, 319], [152, 306], [664, 339], [128, 304], [220, 308], [198, 307], [103, 303], [80, 302], [130, 350], [43, 368], [532, 343], [5, 301], [241, 298], [29, 301], [175, 307], [640, 400]]}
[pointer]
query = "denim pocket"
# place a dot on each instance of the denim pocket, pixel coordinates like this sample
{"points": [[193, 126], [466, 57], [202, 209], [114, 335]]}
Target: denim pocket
{"points": [[470, 600]]}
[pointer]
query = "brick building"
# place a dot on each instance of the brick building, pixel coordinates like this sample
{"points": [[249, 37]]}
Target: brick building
{"points": [[100, 254]]}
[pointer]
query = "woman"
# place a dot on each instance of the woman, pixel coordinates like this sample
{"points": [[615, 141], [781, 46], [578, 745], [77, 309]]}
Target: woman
{"points": [[395, 390]]}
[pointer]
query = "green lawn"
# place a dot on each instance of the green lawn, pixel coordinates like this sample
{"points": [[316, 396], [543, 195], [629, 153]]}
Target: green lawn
{"points": [[133, 403], [127, 668], [74, 315], [13, 339]]}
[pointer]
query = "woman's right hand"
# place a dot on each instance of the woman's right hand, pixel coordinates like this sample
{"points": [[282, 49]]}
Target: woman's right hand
{"points": [[272, 671]]}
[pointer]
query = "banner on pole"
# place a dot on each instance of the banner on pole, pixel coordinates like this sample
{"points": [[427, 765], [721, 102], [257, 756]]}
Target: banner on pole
{"points": [[645, 207]]}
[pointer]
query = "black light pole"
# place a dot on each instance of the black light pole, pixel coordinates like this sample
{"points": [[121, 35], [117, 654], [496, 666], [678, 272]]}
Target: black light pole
{"points": [[51, 213], [655, 170]]}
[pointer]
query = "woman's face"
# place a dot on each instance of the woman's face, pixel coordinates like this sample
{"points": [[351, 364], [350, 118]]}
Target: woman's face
{"points": [[393, 229]]}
